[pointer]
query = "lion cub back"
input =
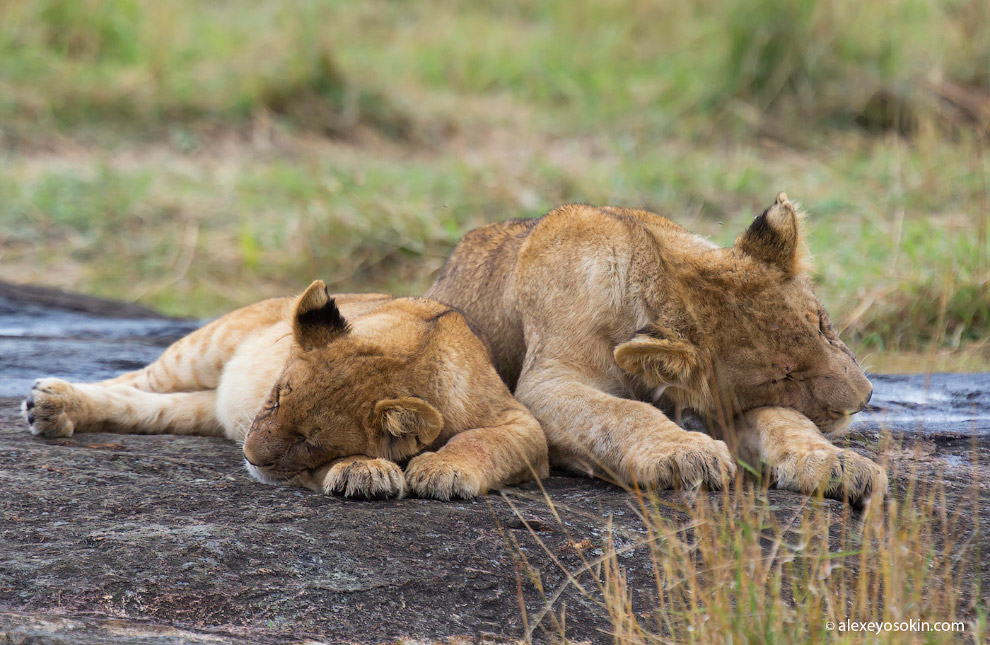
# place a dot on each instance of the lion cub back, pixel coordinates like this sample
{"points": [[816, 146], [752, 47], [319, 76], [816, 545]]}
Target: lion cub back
{"points": [[476, 279]]}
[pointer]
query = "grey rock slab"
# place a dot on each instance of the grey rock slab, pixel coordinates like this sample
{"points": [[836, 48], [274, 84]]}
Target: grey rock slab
{"points": [[46, 332], [952, 405]]}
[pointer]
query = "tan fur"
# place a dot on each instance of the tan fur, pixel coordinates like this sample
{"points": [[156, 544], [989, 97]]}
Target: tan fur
{"points": [[327, 393], [602, 317]]}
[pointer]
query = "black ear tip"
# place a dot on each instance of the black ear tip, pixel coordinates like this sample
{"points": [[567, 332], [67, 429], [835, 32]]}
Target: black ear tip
{"points": [[334, 317], [327, 316]]}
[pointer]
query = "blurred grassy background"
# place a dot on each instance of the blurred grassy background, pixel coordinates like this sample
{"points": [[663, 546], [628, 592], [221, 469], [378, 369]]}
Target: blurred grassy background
{"points": [[198, 156]]}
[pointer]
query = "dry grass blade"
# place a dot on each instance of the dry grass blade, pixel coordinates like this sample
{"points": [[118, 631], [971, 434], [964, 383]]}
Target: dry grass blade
{"points": [[736, 567]]}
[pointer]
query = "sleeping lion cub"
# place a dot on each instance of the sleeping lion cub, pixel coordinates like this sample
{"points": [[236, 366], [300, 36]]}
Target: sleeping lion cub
{"points": [[327, 393], [609, 322]]}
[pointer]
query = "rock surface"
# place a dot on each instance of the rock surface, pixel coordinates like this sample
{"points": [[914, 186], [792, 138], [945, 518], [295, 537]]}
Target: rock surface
{"points": [[122, 538]]}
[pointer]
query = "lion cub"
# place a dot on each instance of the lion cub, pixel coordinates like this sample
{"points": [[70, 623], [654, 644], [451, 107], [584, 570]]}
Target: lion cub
{"points": [[329, 393], [608, 322]]}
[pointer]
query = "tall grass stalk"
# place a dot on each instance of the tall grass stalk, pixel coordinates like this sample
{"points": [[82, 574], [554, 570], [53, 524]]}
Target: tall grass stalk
{"points": [[731, 567]]}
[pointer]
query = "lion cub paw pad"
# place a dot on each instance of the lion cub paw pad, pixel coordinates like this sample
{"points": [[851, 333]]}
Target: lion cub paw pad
{"points": [[430, 475], [365, 478], [46, 409]]}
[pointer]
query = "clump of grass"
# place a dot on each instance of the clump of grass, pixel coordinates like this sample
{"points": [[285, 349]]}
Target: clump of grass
{"points": [[127, 63], [90, 30], [917, 316], [829, 61], [319, 97], [775, 66], [731, 567], [175, 239]]}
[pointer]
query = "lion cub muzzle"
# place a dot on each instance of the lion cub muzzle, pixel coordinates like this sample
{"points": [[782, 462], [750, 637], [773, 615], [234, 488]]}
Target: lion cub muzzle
{"points": [[265, 452]]}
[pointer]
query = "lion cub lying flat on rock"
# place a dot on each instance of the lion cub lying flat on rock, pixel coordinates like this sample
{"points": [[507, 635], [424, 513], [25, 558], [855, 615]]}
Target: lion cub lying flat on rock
{"points": [[326, 393], [607, 322]]}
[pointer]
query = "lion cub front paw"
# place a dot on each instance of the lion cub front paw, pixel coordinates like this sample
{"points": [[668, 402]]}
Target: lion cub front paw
{"points": [[687, 462], [841, 474], [48, 407], [856, 479], [433, 475], [365, 478]]}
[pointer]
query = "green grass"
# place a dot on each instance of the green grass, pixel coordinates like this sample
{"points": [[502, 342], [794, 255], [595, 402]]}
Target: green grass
{"points": [[70, 63], [196, 157]]}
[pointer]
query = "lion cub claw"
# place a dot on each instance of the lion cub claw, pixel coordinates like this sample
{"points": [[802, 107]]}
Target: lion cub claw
{"points": [[47, 407], [365, 478], [431, 475]]}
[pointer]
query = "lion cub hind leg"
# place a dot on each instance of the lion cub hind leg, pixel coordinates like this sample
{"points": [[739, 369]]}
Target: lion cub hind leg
{"points": [[57, 408], [360, 477], [196, 361], [478, 460], [800, 459]]}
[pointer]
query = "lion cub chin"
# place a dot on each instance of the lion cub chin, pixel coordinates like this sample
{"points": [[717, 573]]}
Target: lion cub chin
{"points": [[330, 393]]}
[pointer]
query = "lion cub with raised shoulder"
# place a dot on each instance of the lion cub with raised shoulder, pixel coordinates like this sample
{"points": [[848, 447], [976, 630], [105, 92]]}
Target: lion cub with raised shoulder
{"points": [[608, 322], [330, 393]]}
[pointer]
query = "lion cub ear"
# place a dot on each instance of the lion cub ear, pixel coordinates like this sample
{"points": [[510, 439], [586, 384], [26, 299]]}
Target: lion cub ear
{"points": [[659, 357], [317, 321], [409, 416], [775, 238]]}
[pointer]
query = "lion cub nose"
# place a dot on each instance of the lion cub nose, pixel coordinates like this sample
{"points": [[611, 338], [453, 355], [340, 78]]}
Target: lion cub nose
{"points": [[866, 401], [252, 456]]}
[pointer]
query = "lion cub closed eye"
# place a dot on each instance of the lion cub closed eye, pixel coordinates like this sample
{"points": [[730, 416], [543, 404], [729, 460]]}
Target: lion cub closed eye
{"points": [[327, 393]]}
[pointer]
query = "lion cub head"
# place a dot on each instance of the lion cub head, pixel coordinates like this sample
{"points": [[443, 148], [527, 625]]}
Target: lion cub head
{"points": [[340, 394], [742, 329]]}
